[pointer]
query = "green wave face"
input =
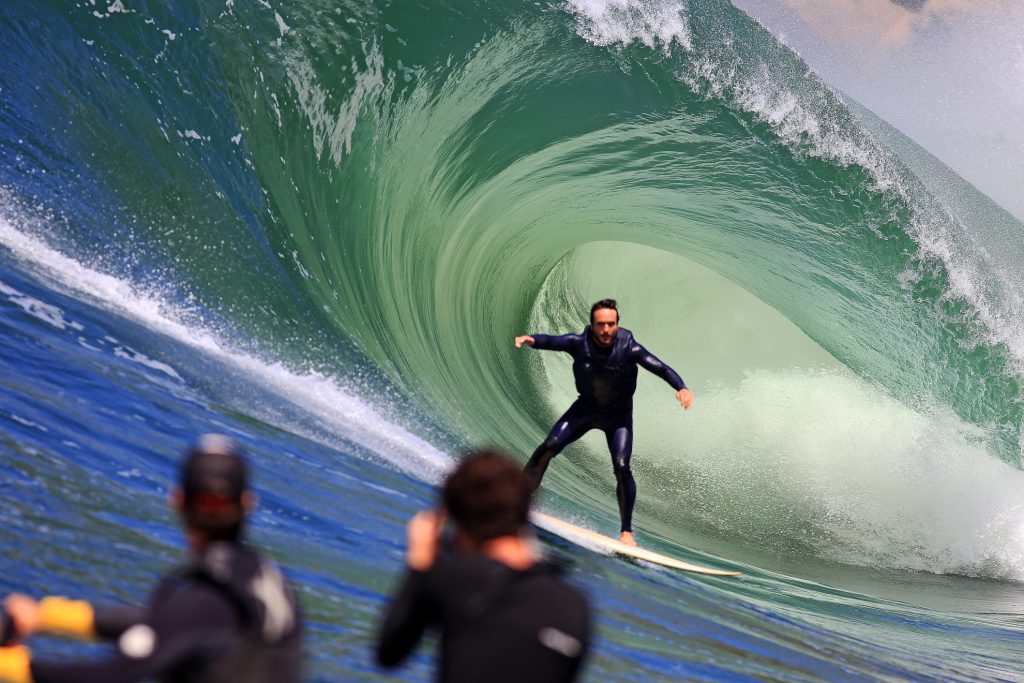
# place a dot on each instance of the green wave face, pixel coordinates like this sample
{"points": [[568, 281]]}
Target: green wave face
{"points": [[416, 183], [767, 245]]}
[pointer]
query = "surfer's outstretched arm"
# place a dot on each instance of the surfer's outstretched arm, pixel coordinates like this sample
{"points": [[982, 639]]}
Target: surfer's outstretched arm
{"points": [[654, 365], [551, 342]]}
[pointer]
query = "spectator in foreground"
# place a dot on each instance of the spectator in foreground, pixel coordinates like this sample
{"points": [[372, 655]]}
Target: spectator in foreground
{"points": [[503, 614], [225, 616]]}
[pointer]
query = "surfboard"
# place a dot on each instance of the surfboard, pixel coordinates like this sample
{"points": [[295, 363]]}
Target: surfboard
{"points": [[595, 541]]}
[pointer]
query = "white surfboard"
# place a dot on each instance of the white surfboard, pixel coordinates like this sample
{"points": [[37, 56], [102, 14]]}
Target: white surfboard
{"points": [[595, 541]]}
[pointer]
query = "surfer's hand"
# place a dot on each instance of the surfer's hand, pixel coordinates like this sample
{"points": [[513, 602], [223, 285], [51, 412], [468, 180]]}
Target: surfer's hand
{"points": [[423, 533], [24, 614], [524, 339], [685, 397]]}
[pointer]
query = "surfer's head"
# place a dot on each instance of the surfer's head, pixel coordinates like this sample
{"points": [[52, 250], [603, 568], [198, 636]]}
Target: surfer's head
{"points": [[214, 495], [604, 321], [487, 496]]}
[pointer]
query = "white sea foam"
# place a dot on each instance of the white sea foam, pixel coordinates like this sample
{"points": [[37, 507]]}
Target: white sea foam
{"points": [[656, 24], [48, 313], [28, 423], [143, 359], [333, 129], [823, 461], [281, 25], [994, 295], [803, 121], [808, 127], [335, 408]]}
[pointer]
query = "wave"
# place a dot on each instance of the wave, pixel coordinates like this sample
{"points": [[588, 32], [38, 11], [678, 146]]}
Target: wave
{"points": [[412, 186], [328, 405]]}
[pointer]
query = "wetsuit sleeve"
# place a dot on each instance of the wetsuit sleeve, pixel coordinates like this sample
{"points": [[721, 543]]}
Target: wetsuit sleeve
{"points": [[79, 619], [111, 622], [409, 615], [652, 364], [195, 624], [561, 342]]}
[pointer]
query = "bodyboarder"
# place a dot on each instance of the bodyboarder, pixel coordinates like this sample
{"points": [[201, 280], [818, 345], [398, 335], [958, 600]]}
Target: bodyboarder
{"points": [[605, 359]]}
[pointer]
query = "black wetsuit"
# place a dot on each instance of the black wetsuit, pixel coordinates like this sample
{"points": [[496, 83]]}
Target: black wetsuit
{"points": [[229, 617], [497, 624], [606, 381]]}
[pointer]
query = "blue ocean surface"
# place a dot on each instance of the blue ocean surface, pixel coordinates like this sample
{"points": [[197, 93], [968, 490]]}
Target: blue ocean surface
{"points": [[317, 226]]}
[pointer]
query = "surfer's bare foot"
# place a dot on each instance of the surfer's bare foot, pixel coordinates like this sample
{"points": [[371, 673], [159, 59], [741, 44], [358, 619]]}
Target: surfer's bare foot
{"points": [[627, 538]]}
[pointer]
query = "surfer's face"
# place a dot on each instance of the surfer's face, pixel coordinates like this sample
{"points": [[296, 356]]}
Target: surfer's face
{"points": [[605, 325]]}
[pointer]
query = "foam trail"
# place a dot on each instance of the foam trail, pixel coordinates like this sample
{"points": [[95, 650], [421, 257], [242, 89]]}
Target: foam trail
{"points": [[332, 406], [824, 461], [49, 314]]}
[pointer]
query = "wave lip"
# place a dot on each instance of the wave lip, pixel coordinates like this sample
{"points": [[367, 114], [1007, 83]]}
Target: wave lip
{"points": [[654, 23]]}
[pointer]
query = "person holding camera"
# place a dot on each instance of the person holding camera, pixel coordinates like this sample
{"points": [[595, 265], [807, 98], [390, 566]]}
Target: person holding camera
{"points": [[504, 615]]}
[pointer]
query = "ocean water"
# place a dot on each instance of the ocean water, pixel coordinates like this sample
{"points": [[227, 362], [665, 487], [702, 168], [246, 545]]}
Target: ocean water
{"points": [[316, 227]]}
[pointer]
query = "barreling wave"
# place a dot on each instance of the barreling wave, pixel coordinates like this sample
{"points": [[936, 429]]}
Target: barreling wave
{"points": [[406, 187]]}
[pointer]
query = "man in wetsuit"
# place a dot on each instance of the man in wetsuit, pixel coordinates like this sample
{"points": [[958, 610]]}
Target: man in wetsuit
{"points": [[226, 615], [605, 359], [504, 615]]}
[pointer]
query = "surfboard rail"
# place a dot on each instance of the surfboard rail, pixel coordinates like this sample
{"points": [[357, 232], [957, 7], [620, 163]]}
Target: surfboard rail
{"points": [[595, 541]]}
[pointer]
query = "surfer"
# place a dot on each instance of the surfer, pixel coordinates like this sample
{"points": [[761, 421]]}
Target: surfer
{"points": [[605, 359], [225, 615], [504, 615]]}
